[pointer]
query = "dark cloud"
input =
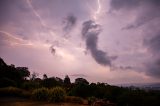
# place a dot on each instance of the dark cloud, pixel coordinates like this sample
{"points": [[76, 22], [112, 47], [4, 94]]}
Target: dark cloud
{"points": [[53, 50], [133, 4], [10, 9], [153, 43], [147, 10], [124, 4], [90, 32], [69, 22], [147, 15], [153, 66]]}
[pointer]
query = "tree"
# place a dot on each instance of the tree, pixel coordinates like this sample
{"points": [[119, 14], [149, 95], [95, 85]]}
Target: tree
{"points": [[45, 76], [59, 80], [50, 82], [23, 71], [34, 76], [81, 81], [67, 80], [11, 75]]}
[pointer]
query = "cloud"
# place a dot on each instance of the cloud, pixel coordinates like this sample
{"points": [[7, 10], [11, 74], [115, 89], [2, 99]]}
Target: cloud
{"points": [[53, 50], [153, 43], [124, 4], [153, 66], [10, 10], [147, 10], [123, 68], [78, 75], [90, 32], [69, 22], [146, 13], [7, 38]]}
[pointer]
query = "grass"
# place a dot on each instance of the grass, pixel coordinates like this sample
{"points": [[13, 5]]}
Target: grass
{"points": [[25, 102]]}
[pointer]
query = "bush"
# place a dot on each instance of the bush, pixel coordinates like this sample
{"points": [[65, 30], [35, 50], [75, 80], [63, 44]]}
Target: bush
{"points": [[13, 91], [6, 82], [74, 99], [30, 85], [91, 100], [56, 94], [40, 94]]}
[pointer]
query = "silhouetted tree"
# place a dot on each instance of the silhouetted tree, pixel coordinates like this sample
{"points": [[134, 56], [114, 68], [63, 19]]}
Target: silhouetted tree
{"points": [[67, 80], [23, 72], [33, 76], [81, 81], [50, 82], [45, 76], [59, 80]]}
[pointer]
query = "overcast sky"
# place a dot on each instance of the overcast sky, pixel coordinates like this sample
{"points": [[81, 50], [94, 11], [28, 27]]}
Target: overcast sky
{"points": [[113, 41]]}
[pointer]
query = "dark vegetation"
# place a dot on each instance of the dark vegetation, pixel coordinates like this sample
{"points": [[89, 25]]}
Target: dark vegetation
{"points": [[19, 82]]}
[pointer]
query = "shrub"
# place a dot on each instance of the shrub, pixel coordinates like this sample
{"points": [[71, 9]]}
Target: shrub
{"points": [[6, 82], [40, 94], [30, 85], [56, 94], [74, 99], [12, 91], [91, 100]]}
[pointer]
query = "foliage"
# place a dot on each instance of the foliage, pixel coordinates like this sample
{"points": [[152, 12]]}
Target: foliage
{"points": [[23, 71], [40, 94], [6, 82], [56, 94], [81, 81], [30, 85], [67, 80], [13, 91], [81, 90], [50, 82], [12, 75]]}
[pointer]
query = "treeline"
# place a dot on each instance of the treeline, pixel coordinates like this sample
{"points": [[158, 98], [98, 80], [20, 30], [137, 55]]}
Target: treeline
{"points": [[20, 78]]}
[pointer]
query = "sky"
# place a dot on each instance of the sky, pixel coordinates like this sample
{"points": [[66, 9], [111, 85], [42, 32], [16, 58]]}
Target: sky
{"points": [[111, 41]]}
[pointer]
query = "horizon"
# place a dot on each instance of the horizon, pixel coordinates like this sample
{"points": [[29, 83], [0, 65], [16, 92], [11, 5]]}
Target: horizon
{"points": [[110, 41]]}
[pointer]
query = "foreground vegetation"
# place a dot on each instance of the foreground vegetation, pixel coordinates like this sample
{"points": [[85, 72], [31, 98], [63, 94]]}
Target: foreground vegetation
{"points": [[25, 102], [18, 82]]}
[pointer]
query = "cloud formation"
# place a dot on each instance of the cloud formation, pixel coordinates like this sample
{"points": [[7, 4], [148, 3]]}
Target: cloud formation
{"points": [[53, 50], [69, 22], [153, 66], [123, 68], [79, 75], [90, 32], [148, 10], [147, 15]]}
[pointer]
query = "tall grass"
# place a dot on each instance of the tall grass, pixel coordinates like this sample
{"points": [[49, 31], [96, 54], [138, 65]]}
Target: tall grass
{"points": [[40, 94], [56, 94], [13, 91]]}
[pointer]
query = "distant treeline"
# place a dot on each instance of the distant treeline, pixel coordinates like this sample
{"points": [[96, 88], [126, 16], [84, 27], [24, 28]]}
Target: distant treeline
{"points": [[21, 78]]}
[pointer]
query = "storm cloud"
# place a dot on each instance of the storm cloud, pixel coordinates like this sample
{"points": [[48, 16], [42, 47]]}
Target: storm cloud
{"points": [[90, 32], [147, 15], [53, 50], [146, 10], [69, 22], [153, 66]]}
